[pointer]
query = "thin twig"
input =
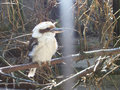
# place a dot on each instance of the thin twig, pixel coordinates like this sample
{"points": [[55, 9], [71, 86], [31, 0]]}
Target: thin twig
{"points": [[108, 73], [16, 78], [80, 74], [18, 37], [84, 72]]}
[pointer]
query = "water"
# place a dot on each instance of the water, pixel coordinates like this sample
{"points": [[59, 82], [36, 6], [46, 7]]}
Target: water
{"points": [[67, 21]]}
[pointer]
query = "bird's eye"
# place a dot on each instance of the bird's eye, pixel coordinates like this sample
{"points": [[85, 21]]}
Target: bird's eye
{"points": [[41, 31]]}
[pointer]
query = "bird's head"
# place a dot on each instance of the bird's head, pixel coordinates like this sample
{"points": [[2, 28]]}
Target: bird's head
{"points": [[45, 28]]}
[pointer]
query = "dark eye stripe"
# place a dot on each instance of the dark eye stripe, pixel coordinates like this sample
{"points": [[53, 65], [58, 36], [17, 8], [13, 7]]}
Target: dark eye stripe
{"points": [[43, 31], [46, 30]]}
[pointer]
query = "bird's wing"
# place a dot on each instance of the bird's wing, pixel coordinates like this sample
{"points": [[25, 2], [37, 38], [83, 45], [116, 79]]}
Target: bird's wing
{"points": [[33, 42]]}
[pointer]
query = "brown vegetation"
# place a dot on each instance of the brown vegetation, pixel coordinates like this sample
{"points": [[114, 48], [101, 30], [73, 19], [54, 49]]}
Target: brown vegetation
{"points": [[94, 22]]}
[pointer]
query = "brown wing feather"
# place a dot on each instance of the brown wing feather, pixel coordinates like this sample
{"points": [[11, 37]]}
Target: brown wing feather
{"points": [[33, 42]]}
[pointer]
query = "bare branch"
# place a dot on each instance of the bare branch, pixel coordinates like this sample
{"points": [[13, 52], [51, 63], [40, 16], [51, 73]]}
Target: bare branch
{"points": [[85, 71], [75, 57]]}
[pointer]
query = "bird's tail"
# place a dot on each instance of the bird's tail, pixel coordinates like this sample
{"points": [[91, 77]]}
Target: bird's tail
{"points": [[32, 72]]}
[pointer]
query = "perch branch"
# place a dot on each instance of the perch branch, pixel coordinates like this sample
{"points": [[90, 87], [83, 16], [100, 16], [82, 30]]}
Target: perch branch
{"points": [[19, 72], [75, 57]]}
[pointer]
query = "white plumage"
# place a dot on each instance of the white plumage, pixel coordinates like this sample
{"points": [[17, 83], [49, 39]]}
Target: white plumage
{"points": [[46, 45]]}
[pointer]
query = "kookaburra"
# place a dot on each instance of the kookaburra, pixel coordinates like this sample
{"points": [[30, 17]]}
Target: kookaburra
{"points": [[43, 44]]}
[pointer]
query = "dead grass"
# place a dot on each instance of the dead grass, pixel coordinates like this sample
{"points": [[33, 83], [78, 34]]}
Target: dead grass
{"points": [[97, 18]]}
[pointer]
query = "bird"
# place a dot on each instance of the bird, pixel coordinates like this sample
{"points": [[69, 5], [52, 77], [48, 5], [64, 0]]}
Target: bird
{"points": [[43, 44]]}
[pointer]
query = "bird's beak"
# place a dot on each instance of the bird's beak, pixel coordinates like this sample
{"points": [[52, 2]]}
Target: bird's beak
{"points": [[56, 30]]}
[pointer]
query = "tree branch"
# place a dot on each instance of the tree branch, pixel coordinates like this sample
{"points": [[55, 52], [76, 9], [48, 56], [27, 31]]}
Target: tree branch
{"points": [[75, 57], [82, 73]]}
